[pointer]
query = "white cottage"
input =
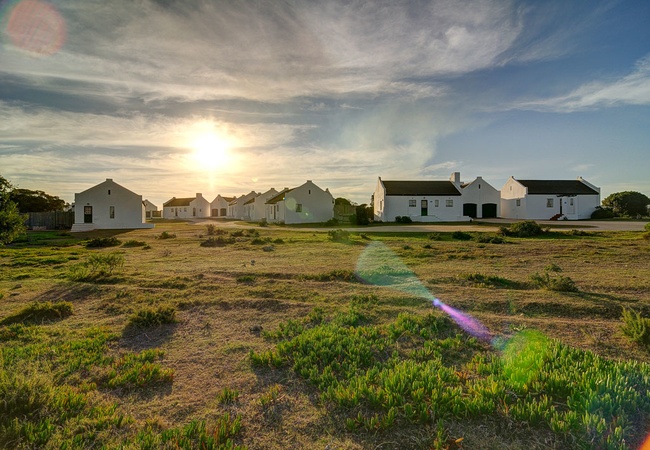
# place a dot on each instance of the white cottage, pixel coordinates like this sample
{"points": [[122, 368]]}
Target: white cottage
{"points": [[186, 208], [219, 206], [307, 203], [150, 209], [480, 199], [549, 199], [255, 208], [108, 206], [422, 201], [236, 209]]}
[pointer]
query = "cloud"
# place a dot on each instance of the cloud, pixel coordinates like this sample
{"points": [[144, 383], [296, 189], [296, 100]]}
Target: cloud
{"points": [[631, 89]]}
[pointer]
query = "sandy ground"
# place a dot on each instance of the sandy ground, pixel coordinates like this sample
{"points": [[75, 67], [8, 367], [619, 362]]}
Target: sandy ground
{"points": [[588, 225]]}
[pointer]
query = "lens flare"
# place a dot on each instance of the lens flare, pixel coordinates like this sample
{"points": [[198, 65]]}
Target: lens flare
{"points": [[34, 26], [380, 266]]}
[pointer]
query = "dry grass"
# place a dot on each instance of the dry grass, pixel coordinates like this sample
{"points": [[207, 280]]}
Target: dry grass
{"points": [[208, 346]]}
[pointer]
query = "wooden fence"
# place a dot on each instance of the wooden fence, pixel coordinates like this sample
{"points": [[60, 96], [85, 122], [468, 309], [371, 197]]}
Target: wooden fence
{"points": [[54, 220], [342, 213]]}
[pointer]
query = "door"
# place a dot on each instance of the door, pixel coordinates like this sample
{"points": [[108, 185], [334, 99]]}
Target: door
{"points": [[88, 214], [424, 206], [193, 212], [489, 210], [571, 208], [176, 212], [469, 209]]}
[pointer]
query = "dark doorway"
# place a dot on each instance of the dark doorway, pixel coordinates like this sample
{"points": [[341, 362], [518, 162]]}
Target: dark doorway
{"points": [[424, 206], [224, 213], [489, 210], [215, 213], [88, 214], [469, 209]]}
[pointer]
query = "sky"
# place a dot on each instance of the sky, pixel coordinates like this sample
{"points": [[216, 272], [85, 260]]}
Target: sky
{"points": [[174, 97]]}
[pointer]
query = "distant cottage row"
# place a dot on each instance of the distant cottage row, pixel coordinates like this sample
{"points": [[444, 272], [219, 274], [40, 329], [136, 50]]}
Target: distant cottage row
{"points": [[111, 206]]}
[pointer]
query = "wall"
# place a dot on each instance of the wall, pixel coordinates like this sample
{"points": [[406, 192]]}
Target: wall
{"points": [[187, 212], [258, 211], [129, 210], [510, 193], [219, 203], [486, 193], [398, 205], [379, 201], [317, 204]]}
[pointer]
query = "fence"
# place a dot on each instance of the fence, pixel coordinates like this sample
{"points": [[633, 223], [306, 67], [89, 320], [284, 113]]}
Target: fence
{"points": [[54, 220], [342, 213]]}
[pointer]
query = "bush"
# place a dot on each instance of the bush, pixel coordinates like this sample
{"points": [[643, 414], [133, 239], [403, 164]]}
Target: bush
{"points": [[263, 223], [339, 235], [576, 232], [149, 316], [487, 238], [103, 242], [486, 280], [602, 213], [246, 279], [331, 223], [238, 233], [553, 283], [461, 236], [165, 235], [403, 219], [219, 241], [435, 236], [647, 227], [278, 241], [39, 312], [105, 263], [523, 229], [635, 327], [211, 229], [134, 243], [629, 203]]}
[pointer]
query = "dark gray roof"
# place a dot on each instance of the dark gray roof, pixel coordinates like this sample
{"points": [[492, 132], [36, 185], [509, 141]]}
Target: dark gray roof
{"points": [[446, 188], [179, 201], [557, 187]]}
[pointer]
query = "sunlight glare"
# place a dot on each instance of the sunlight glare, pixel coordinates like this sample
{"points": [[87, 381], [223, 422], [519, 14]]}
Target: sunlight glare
{"points": [[210, 151]]}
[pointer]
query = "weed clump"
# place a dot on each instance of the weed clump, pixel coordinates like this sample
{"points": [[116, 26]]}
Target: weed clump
{"points": [[488, 238], [334, 275], [635, 327], [435, 236], [486, 280], [338, 235], [403, 219], [553, 282], [461, 236], [527, 228], [166, 235], [246, 279], [219, 241], [238, 233], [134, 243], [103, 242], [150, 317], [228, 396], [40, 312], [98, 266]]}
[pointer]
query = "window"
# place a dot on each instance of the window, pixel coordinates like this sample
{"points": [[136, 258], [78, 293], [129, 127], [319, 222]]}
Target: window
{"points": [[437, 203], [111, 213], [518, 202], [571, 201], [310, 192], [549, 202], [109, 192], [479, 186], [185, 209], [412, 203], [298, 207], [450, 203]]}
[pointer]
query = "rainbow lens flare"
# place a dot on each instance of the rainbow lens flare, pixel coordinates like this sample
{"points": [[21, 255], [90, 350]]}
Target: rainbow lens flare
{"points": [[34, 26]]}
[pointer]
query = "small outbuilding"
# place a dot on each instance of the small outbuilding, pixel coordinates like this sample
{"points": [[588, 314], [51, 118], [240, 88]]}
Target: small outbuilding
{"points": [[219, 206], [109, 206], [480, 199], [151, 210], [549, 199]]}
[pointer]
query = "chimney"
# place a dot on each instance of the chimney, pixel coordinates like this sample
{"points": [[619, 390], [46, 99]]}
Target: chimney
{"points": [[198, 195], [308, 181], [455, 177], [109, 179]]}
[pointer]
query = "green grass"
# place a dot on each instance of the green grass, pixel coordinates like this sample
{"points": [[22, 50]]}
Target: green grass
{"points": [[151, 317], [39, 312], [227, 396]]}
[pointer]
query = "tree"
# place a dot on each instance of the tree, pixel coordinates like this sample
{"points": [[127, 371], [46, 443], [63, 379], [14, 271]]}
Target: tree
{"points": [[342, 201], [629, 203], [11, 224], [36, 201]]}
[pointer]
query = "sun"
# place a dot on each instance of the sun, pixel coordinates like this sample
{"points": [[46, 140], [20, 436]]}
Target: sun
{"points": [[210, 150]]}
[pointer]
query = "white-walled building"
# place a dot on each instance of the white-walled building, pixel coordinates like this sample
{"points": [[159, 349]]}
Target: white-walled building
{"points": [[480, 199], [236, 208], [422, 201], [150, 209], [219, 206], [307, 203], [109, 206], [186, 208], [255, 208], [549, 199]]}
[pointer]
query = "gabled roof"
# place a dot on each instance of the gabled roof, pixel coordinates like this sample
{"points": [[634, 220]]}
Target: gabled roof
{"points": [[250, 201], [446, 188], [557, 187], [179, 201], [279, 197], [228, 199]]}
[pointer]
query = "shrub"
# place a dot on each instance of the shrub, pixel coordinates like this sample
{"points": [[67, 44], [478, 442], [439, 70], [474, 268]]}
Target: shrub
{"points": [[219, 241], [149, 316], [602, 213], [488, 238], [339, 235], [461, 236], [342, 275], [647, 227], [246, 279], [252, 232], [278, 241], [523, 229], [39, 312], [576, 232], [258, 241], [486, 280], [435, 236], [165, 235], [238, 233], [134, 243], [364, 236], [211, 229], [105, 263], [103, 242], [228, 396], [553, 283], [635, 327], [263, 223], [403, 219], [628, 203], [331, 223]]}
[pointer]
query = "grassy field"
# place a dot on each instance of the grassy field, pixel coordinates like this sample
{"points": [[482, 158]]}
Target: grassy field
{"points": [[267, 338]]}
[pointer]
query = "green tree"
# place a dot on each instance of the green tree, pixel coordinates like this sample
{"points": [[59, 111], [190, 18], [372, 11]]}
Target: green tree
{"points": [[628, 203], [11, 224], [36, 201], [342, 201]]}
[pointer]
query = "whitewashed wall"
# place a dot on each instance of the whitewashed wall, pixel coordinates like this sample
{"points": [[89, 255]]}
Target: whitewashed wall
{"points": [[480, 192]]}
